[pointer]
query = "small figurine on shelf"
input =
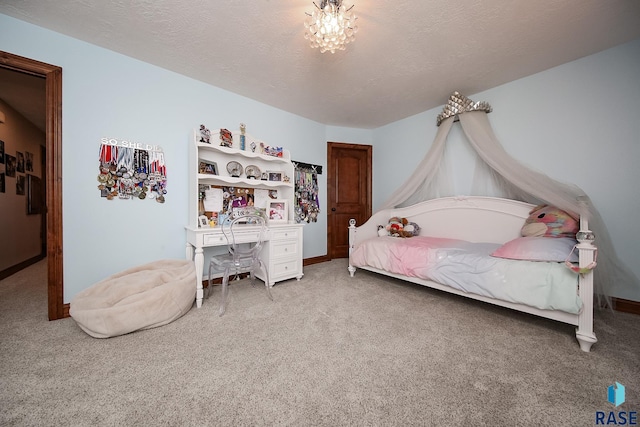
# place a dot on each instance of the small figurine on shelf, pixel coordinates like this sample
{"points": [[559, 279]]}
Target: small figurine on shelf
{"points": [[226, 138], [243, 128], [205, 135], [285, 178], [253, 146]]}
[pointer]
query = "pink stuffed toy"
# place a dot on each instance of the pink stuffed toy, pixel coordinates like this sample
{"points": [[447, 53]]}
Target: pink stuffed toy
{"points": [[549, 221]]}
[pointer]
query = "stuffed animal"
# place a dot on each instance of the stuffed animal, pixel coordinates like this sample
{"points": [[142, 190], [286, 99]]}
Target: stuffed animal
{"points": [[401, 227], [549, 221]]}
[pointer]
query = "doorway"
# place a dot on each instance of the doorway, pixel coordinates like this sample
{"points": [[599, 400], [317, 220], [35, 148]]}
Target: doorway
{"points": [[349, 177], [53, 173]]}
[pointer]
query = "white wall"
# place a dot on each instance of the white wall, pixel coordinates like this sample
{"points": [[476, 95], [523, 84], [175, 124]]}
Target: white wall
{"points": [[19, 232], [578, 123]]}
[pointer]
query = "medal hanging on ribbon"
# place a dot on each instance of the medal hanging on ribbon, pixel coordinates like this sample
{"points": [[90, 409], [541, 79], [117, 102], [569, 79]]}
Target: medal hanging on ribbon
{"points": [[127, 173], [307, 202], [107, 161]]}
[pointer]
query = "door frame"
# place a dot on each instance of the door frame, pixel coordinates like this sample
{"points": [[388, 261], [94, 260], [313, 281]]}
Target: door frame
{"points": [[53, 93], [331, 185]]}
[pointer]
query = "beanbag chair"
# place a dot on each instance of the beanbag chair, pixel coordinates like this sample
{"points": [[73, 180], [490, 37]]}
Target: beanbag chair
{"points": [[141, 297]]}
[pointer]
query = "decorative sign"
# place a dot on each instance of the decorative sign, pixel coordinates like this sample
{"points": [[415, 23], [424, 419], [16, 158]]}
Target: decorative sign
{"points": [[129, 144], [131, 170]]}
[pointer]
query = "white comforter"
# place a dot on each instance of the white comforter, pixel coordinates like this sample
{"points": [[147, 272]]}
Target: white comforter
{"points": [[470, 267]]}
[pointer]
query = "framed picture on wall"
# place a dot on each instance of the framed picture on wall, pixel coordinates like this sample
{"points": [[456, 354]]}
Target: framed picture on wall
{"points": [[28, 161], [20, 162], [1, 151], [10, 167], [20, 184], [277, 210]]}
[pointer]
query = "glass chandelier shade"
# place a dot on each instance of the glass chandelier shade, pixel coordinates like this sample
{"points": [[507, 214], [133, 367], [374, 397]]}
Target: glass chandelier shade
{"points": [[331, 26]]}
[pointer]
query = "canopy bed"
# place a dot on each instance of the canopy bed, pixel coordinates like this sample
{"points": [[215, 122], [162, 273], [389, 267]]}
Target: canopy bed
{"points": [[460, 241]]}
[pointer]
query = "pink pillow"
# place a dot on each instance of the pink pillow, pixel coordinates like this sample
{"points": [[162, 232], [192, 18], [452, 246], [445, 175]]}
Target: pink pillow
{"points": [[538, 249]]}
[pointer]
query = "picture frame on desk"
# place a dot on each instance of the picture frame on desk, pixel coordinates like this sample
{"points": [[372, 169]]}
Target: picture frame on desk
{"points": [[210, 168], [274, 175], [203, 221], [278, 211]]}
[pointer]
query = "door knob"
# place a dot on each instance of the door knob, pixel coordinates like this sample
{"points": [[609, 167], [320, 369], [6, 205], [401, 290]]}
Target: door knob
{"points": [[333, 209]]}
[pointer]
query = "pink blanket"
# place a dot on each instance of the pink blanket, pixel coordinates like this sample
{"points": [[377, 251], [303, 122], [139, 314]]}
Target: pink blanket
{"points": [[408, 257], [470, 267]]}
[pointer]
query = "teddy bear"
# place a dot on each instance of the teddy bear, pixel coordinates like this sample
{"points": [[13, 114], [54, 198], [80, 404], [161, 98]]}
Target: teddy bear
{"points": [[549, 221], [400, 227]]}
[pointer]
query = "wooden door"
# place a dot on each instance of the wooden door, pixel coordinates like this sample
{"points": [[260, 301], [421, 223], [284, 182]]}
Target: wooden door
{"points": [[53, 174], [349, 193]]}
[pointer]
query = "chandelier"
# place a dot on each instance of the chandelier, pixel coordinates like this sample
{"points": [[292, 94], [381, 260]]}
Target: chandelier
{"points": [[331, 26]]}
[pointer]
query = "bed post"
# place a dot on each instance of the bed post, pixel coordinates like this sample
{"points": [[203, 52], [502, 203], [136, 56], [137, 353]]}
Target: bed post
{"points": [[352, 239], [586, 250]]}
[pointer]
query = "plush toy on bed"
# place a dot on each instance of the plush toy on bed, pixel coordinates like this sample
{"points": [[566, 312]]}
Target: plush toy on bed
{"points": [[399, 227], [549, 221]]}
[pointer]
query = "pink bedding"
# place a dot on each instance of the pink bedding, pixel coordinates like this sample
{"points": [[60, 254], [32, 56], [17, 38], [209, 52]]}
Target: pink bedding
{"points": [[470, 267], [408, 257]]}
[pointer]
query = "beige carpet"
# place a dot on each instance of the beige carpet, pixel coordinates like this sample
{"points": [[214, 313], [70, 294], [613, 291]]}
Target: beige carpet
{"points": [[329, 351]]}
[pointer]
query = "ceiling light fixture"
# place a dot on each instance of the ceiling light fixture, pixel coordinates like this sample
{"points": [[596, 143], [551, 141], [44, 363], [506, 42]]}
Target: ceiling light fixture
{"points": [[331, 26]]}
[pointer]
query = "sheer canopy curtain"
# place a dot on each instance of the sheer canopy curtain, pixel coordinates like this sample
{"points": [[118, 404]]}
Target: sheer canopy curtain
{"points": [[431, 179], [506, 177]]}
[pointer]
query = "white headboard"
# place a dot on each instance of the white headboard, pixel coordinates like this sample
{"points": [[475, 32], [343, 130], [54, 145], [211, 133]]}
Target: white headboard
{"points": [[471, 218]]}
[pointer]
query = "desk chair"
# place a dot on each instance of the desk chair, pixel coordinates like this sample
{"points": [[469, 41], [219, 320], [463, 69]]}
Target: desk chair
{"points": [[240, 257]]}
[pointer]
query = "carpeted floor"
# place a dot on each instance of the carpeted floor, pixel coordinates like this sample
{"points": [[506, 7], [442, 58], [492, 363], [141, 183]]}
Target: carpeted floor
{"points": [[329, 351]]}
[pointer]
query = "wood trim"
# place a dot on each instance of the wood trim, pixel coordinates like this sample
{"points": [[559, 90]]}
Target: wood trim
{"points": [[20, 266], [53, 88], [315, 260], [626, 306]]}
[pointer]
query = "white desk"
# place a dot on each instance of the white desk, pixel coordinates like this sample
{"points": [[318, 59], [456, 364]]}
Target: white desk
{"points": [[281, 252]]}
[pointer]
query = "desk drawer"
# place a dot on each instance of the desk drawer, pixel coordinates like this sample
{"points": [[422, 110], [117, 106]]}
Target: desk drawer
{"points": [[283, 249], [214, 239], [217, 239], [284, 269], [247, 236], [286, 234]]}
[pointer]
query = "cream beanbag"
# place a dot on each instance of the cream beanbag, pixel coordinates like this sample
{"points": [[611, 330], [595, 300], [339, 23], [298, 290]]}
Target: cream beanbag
{"points": [[141, 297]]}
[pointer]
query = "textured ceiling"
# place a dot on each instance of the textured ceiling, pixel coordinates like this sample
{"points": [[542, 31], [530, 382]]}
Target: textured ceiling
{"points": [[408, 56]]}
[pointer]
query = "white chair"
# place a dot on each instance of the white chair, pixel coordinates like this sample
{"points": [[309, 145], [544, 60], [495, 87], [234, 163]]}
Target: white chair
{"points": [[241, 257]]}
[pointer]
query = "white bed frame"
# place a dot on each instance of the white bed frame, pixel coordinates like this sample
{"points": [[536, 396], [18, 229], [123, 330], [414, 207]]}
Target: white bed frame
{"points": [[483, 219]]}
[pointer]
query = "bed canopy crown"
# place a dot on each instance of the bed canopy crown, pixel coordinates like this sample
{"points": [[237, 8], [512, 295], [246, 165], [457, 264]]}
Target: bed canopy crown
{"points": [[498, 174], [458, 104]]}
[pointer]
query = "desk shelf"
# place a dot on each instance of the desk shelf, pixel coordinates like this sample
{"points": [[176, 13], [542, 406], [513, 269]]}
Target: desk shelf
{"points": [[282, 251], [241, 182]]}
